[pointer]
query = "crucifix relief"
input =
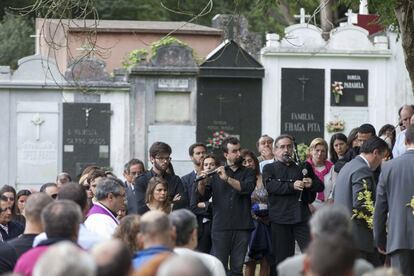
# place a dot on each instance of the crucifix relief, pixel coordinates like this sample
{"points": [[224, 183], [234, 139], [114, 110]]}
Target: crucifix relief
{"points": [[303, 80], [37, 121], [87, 110], [221, 99]]}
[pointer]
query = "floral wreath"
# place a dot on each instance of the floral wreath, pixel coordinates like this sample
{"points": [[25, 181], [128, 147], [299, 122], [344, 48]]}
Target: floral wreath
{"points": [[335, 125], [216, 141]]}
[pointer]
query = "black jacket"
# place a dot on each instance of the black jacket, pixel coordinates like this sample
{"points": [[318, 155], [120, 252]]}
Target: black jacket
{"points": [[284, 204]]}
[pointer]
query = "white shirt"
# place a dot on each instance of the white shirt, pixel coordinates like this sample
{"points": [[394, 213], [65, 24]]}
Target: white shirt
{"points": [[212, 263], [86, 239], [102, 225], [399, 146], [265, 162]]}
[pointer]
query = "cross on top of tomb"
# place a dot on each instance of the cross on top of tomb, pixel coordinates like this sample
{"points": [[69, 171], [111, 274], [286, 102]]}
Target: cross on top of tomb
{"points": [[350, 16], [302, 16], [37, 37]]}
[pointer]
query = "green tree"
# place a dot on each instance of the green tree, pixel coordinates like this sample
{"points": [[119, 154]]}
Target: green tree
{"points": [[15, 40]]}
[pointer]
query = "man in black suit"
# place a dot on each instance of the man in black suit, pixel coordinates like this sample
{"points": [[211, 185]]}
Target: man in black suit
{"points": [[354, 180], [291, 189], [9, 228], [197, 152], [393, 217], [132, 169]]}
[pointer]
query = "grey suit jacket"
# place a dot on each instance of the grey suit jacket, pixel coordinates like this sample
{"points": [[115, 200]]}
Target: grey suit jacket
{"points": [[348, 184], [395, 190]]}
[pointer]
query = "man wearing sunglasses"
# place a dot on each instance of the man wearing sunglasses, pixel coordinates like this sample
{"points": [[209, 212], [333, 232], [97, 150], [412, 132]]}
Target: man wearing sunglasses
{"points": [[8, 229]]}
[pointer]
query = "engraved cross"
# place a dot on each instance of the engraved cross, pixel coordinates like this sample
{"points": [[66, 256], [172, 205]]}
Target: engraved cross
{"points": [[303, 80], [87, 111], [37, 121]]}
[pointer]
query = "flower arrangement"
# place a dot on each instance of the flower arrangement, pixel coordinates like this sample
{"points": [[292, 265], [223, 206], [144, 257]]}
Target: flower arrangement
{"points": [[367, 213], [337, 90], [303, 151], [216, 141], [335, 125], [411, 204]]}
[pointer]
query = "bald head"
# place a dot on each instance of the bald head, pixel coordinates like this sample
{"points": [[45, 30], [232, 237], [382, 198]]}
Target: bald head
{"points": [[112, 258], [156, 228], [405, 115], [34, 206]]}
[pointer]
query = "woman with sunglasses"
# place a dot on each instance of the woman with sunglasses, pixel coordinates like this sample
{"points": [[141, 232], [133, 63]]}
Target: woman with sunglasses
{"points": [[9, 193]]}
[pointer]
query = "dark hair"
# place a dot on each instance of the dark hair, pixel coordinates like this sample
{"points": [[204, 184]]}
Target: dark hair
{"points": [[9, 189], [367, 128], [61, 219], [409, 134], [95, 174], [283, 136], [352, 136], [152, 183], [86, 172], [159, 148], [388, 127], [34, 206], [210, 155], [47, 185], [73, 191], [132, 162], [332, 152], [193, 146], [229, 140], [332, 255], [246, 152], [127, 232], [184, 222], [374, 143], [23, 192]]}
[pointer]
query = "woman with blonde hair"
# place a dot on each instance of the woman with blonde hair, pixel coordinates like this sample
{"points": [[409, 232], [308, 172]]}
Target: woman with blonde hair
{"points": [[156, 197], [127, 232], [318, 159]]}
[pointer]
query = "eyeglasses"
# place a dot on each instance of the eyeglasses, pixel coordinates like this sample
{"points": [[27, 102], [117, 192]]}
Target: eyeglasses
{"points": [[54, 196], [5, 209], [8, 198], [163, 158]]}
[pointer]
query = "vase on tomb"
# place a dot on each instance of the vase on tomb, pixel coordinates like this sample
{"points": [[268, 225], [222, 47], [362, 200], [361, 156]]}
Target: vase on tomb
{"points": [[337, 98]]}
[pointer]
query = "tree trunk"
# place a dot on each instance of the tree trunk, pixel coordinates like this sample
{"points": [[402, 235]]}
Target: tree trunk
{"points": [[326, 16], [404, 10]]}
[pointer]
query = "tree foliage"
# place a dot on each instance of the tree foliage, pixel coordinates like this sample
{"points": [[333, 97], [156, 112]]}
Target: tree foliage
{"points": [[15, 40]]}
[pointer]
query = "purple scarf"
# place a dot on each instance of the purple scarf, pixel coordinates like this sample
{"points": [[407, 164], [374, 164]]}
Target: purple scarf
{"points": [[97, 209]]}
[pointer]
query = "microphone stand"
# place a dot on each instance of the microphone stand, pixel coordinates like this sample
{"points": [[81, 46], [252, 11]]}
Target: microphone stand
{"points": [[299, 163]]}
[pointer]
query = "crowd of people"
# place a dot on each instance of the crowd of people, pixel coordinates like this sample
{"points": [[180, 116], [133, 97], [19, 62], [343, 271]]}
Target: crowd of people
{"points": [[348, 207]]}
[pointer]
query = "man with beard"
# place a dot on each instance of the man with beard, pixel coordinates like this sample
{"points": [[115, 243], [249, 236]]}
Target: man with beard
{"points": [[197, 152], [230, 187], [160, 158], [291, 189]]}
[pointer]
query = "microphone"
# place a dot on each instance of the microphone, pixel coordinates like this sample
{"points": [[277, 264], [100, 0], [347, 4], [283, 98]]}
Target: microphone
{"points": [[304, 173]]}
